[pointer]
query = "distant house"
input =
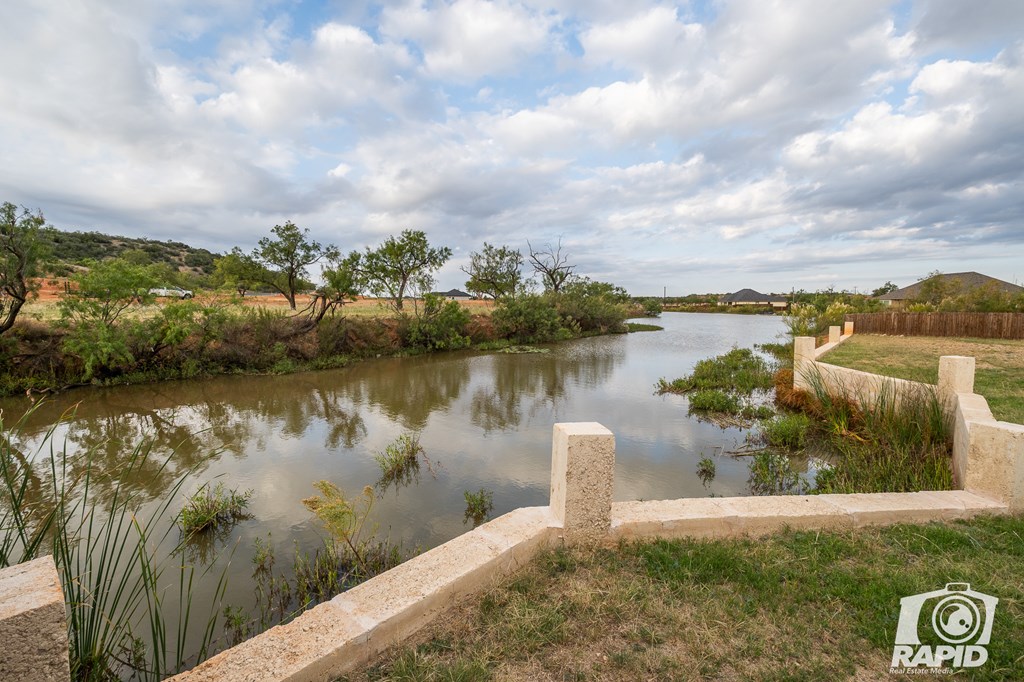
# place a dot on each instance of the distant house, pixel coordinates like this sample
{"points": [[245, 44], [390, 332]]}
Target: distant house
{"points": [[751, 297], [454, 295], [955, 283]]}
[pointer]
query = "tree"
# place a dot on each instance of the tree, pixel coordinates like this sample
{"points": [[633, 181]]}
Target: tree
{"points": [[94, 306], [281, 263], [399, 267], [552, 266], [341, 285], [495, 272], [21, 253], [884, 289], [236, 270]]}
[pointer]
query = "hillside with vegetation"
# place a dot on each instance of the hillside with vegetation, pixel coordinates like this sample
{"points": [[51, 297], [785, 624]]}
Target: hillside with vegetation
{"points": [[70, 249]]}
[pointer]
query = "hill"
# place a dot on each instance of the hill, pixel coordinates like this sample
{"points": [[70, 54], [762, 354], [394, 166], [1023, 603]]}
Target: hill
{"points": [[74, 248]]}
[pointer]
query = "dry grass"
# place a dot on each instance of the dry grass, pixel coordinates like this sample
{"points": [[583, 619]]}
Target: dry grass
{"points": [[44, 308], [999, 364], [795, 606]]}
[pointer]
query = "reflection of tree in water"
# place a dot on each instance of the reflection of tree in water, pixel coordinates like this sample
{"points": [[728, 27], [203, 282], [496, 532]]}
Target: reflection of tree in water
{"points": [[529, 382], [408, 390]]}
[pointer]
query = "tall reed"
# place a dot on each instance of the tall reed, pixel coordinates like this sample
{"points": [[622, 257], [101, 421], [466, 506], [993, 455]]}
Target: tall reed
{"points": [[896, 439], [105, 548]]}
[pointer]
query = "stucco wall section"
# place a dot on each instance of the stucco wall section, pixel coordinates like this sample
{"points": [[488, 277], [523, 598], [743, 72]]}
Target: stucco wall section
{"points": [[996, 462], [582, 475], [33, 626], [756, 516]]}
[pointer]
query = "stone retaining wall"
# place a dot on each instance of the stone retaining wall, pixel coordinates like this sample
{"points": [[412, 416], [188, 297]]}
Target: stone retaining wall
{"points": [[352, 628]]}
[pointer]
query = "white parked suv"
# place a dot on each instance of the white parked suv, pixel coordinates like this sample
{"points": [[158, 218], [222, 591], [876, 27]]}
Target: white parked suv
{"points": [[172, 292]]}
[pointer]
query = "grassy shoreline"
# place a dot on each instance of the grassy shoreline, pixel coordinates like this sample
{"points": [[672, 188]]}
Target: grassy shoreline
{"points": [[999, 364], [792, 606]]}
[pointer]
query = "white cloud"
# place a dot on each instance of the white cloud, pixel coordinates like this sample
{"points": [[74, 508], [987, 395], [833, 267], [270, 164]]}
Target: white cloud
{"points": [[468, 39]]}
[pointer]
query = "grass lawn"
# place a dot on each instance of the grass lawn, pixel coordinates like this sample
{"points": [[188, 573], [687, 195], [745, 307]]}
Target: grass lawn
{"points": [[999, 368], [794, 606]]}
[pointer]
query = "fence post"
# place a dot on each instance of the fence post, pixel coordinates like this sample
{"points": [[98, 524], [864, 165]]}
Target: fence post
{"points": [[582, 474], [833, 334], [803, 354], [848, 328], [33, 624]]}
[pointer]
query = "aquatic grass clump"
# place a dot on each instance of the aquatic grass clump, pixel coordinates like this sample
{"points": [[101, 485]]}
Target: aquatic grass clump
{"points": [[479, 505], [399, 459], [740, 370], [209, 508], [787, 431], [714, 400], [772, 473]]}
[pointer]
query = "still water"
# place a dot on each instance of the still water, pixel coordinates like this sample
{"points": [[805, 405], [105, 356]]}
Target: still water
{"points": [[483, 419]]}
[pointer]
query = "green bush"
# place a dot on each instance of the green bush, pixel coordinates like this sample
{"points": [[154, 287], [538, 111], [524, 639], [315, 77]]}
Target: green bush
{"points": [[596, 307], [652, 307], [739, 370], [440, 326], [526, 319], [210, 507]]}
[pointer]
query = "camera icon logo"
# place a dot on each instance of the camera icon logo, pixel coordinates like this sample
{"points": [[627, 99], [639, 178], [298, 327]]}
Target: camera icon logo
{"points": [[959, 616]]}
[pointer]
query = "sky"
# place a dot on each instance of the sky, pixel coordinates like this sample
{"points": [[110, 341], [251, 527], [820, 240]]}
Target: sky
{"points": [[686, 147]]}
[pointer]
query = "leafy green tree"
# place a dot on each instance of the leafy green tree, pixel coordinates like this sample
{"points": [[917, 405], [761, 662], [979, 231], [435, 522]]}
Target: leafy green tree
{"points": [[341, 285], [593, 306], [884, 289], [441, 325], [527, 319], [280, 262], [496, 272], [652, 307], [21, 254], [93, 307], [236, 270], [936, 288], [399, 267]]}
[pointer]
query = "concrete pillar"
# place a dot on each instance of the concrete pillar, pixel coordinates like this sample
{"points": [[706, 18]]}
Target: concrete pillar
{"points": [[847, 328], [995, 462], [956, 375], [833, 334], [33, 625], [582, 473], [803, 355]]}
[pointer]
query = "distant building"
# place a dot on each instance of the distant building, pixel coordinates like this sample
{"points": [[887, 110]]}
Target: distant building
{"points": [[956, 282], [751, 297], [454, 295]]}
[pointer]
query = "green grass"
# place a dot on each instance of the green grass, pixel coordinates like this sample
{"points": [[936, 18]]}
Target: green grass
{"points": [[740, 371], [713, 400], [793, 606], [479, 506], [642, 327], [787, 430], [999, 370], [902, 442], [209, 507]]}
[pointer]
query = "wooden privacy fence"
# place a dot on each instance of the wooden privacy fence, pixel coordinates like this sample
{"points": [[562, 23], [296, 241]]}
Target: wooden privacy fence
{"points": [[976, 325]]}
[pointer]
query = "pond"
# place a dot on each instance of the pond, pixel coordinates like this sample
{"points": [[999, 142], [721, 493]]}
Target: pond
{"points": [[483, 419]]}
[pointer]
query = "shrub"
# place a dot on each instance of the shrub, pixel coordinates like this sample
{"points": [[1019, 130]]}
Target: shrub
{"points": [[526, 319], [596, 307], [652, 307], [441, 325]]}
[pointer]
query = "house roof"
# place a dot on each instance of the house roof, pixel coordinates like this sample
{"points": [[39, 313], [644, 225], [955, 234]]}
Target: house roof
{"points": [[968, 280], [751, 296], [454, 293]]}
